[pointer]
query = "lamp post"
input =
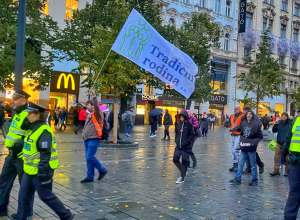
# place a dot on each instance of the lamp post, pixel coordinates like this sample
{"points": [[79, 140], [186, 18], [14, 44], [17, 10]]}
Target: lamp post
{"points": [[19, 64]]}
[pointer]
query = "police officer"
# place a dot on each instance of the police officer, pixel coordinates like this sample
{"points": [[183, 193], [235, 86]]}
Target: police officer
{"points": [[40, 160], [292, 149], [13, 165]]}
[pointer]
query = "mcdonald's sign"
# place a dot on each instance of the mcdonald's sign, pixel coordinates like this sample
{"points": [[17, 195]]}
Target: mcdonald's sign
{"points": [[65, 83]]}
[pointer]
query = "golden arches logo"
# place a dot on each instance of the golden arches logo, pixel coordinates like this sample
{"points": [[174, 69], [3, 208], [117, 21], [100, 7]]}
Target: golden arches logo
{"points": [[66, 81]]}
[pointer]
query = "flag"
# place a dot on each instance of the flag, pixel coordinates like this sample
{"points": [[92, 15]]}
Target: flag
{"points": [[139, 42]]}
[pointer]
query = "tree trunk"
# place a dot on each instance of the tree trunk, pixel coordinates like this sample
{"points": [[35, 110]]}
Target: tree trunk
{"points": [[122, 110], [188, 104], [116, 108]]}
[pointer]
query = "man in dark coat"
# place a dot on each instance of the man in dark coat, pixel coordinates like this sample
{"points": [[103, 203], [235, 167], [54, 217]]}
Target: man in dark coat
{"points": [[265, 121], [184, 136], [167, 123], [153, 123]]}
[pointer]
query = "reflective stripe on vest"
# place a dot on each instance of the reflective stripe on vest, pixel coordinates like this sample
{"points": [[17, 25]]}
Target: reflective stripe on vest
{"points": [[236, 123], [295, 141], [98, 127], [15, 131], [31, 155]]}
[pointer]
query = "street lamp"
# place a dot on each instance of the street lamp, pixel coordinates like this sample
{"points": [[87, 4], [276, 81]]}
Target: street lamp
{"points": [[19, 64]]}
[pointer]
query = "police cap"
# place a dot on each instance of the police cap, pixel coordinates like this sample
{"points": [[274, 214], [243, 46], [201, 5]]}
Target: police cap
{"points": [[32, 107], [18, 93]]}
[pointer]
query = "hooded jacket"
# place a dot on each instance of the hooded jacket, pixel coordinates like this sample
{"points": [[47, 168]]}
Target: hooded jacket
{"points": [[251, 134], [282, 128], [205, 122], [184, 132]]}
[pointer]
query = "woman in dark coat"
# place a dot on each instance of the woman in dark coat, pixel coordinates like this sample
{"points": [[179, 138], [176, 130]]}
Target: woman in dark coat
{"points": [[153, 122], [204, 124]]}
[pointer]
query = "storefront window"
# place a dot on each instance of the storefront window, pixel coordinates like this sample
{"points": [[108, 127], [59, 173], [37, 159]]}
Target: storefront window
{"points": [[172, 110], [262, 108], [279, 108], [71, 100], [140, 109]]}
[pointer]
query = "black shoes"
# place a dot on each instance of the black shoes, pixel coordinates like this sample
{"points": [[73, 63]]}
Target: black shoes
{"points": [[235, 181], [275, 173], [14, 215], [286, 174], [261, 169], [254, 183], [168, 139], [75, 132], [86, 180], [72, 216], [102, 175], [234, 168], [163, 139]]}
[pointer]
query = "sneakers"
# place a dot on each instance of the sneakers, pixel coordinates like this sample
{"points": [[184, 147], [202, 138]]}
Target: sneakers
{"points": [[286, 174], [168, 139], [261, 169], [163, 139], [102, 175], [253, 183], [75, 132], [194, 165], [235, 181], [72, 216], [86, 180], [127, 135], [275, 173], [180, 180], [154, 135], [151, 136]]}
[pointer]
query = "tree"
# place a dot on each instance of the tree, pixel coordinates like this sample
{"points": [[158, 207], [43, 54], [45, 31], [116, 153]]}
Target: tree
{"points": [[196, 38], [296, 97], [39, 37], [265, 73]]}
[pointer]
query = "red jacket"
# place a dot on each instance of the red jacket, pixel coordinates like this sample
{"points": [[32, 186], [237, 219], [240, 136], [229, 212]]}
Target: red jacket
{"points": [[82, 115]]}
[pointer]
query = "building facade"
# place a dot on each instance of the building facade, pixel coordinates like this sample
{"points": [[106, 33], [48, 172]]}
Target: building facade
{"points": [[282, 17]]}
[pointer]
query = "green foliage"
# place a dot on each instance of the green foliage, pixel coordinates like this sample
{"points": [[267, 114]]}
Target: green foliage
{"points": [[265, 73], [38, 34], [296, 97]]}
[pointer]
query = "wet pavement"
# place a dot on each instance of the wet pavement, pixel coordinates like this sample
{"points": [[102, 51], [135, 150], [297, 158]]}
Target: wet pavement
{"points": [[140, 183]]}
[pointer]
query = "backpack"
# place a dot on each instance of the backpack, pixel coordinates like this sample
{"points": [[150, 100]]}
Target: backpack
{"points": [[105, 133], [125, 116]]}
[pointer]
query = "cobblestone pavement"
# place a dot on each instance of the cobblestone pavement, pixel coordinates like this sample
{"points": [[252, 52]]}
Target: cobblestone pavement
{"points": [[140, 183]]}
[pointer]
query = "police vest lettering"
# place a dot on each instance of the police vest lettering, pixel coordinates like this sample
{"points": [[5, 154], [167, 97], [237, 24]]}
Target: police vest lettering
{"points": [[15, 131], [31, 155], [295, 142]]}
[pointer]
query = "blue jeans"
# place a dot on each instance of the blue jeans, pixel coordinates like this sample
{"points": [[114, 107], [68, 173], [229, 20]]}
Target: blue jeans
{"points": [[128, 128], [92, 162], [62, 123], [252, 157], [152, 133]]}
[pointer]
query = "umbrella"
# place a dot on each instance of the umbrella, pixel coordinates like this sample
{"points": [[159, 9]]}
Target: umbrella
{"points": [[155, 112], [79, 104], [103, 108]]}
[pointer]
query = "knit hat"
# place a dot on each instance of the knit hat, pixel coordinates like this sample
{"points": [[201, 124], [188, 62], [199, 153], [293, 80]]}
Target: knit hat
{"points": [[188, 111], [285, 113], [298, 111]]}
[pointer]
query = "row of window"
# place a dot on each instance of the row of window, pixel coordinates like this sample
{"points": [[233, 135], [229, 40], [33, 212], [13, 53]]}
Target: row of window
{"points": [[71, 5], [227, 7]]}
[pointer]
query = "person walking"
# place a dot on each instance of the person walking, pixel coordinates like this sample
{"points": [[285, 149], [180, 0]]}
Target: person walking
{"points": [[291, 148], [194, 122], [56, 118], [92, 133], [276, 117], [129, 121], [82, 119], [235, 121], [2, 116], [13, 165], [76, 116], [167, 123], [212, 121], [184, 135], [153, 122], [260, 164], [250, 136], [266, 121], [204, 124], [63, 118], [282, 127], [40, 159]]}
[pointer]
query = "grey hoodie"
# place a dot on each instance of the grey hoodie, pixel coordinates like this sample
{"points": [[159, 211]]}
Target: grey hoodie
{"points": [[129, 117]]}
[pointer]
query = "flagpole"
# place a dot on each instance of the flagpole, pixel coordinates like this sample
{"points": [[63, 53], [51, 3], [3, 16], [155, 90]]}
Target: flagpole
{"points": [[101, 67]]}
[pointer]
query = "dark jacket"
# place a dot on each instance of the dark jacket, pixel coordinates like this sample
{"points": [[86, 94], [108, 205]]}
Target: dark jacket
{"points": [[1, 116], [184, 132], [251, 134], [44, 168], [110, 119], [167, 119], [282, 129], [63, 115], [204, 122], [255, 117], [265, 120], [153, 122]]}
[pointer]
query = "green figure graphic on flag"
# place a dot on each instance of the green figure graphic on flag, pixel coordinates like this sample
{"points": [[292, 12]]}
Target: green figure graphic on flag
{"points": [[137, 35]]}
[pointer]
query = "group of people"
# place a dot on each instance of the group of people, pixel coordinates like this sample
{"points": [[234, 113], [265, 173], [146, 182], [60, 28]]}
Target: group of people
{"points": [[265, 120]]}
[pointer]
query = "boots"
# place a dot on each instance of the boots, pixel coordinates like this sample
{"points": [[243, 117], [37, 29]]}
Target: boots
{"points": [[234, 168], [275, 173]]}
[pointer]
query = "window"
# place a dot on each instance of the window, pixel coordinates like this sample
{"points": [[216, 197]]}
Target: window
{"points": [[171, 21], [185, 1], [45, 9], [295, 86], [265, 1], [202, 3], [281, 60], [246, 52], [71, 5], [228, 7], [296, 9], [226, 42], [271, 2], [282, 87], [294, 64], [249, 20], [282, 31], [295, 35], [265, 24], [284, 5], [217, 6], [291, 85], [270, 26]]}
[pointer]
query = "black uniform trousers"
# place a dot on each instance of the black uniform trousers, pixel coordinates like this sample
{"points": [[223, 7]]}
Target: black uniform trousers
{"points": [[293, 202], [30, 184], [184, 154], [11, 168]]}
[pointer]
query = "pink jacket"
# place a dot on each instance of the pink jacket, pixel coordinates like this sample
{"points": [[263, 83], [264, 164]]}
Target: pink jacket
{"points": [[194, 122]]}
